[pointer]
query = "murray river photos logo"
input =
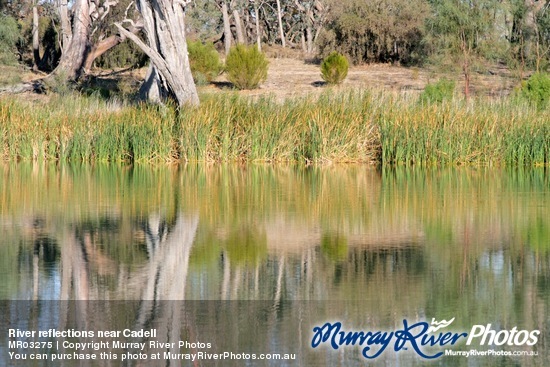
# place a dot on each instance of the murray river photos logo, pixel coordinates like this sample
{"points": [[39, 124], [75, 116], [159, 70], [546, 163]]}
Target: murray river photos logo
{"points": [[427, 340]]}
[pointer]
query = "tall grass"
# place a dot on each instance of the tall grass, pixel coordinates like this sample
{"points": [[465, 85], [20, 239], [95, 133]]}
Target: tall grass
{"points": [[366, 126]]}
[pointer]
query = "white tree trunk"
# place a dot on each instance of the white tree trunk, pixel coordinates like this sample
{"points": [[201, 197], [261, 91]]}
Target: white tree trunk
{"points": [[164, 24], [239, 27], [35, 38], [226, 28], [279, 17], [66, 29], [72, 61], [258, 31]]}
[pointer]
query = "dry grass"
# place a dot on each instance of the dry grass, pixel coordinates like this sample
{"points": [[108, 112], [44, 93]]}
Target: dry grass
{"points": [[289, 78]]}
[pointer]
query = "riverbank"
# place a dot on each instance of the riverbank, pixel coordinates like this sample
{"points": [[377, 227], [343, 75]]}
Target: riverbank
{"points": [[373, 127]]}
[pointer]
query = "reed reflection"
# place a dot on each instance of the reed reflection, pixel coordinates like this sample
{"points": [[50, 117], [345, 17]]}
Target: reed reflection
{"points": [[466, 243]]}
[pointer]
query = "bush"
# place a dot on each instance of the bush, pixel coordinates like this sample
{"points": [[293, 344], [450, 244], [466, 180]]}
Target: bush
{"points": [[9, 36], [438, 92], [334, 68], [537, 89], [204, 60], [246, 67], [126, 54]]}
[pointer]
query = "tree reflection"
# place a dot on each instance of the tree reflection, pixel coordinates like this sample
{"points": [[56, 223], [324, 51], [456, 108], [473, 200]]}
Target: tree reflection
{"points": [[470, 244]]}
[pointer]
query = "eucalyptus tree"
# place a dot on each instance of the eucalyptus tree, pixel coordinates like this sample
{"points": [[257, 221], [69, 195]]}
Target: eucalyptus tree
{"points": [[460, 28], [76, 33], [169, 75], [542, 34], [373, 30], [104, 36], [312, 15]]}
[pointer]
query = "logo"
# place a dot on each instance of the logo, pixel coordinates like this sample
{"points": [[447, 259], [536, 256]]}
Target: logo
{"points": [[439, 325], [420, 337]]}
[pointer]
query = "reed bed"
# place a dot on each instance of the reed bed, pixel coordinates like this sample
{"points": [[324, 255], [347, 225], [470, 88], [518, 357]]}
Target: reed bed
{"points": [[354, 126]]}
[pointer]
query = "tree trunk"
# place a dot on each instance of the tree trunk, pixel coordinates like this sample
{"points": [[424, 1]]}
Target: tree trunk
{"points": [[258, 32], [35, 39], [108, 43], [239, 27], [466, 67], [309, 33], [72, 61], [151, 87], [226, 28], [279, 17], [99, 49], [66, 29], [164, 24]]}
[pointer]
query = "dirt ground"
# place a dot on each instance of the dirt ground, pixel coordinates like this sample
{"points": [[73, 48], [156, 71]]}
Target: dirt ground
{"points": [[290, 78]]}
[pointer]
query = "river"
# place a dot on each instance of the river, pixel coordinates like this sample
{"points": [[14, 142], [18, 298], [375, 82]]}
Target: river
{"points": [[251, 258]]}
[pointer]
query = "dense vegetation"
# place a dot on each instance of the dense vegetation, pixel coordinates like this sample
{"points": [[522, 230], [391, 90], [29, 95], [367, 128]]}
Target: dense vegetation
{"points": [[452, 33], [345, 127], [439, 127]]}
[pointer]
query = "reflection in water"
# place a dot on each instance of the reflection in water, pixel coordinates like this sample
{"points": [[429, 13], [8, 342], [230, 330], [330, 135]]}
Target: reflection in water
{"points": [[471, 243]]}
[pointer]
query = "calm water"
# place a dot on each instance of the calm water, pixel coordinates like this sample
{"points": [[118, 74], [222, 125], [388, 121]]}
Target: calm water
{"points": [[276, 251]]}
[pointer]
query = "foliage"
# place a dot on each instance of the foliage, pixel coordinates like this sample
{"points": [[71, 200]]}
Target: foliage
{"points": [[438, 92], [334, 246], [334, 68], [460, 32], [537, 89], [204, 60], [126, 54], [390, 31], [58, 84], [542, 38], [204, 19], [9, 36], [246, 67], [10, 75]]}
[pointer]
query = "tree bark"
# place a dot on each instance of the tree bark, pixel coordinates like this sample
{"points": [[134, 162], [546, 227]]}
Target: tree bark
{"points": [[258, 32], [108, 43], [66, 29], [279, 17], [35, 39], [309, 34], [99, 49], [239, 27], [151, 87], [72, 60], [226, 28], [466, 66], [164, 24]]}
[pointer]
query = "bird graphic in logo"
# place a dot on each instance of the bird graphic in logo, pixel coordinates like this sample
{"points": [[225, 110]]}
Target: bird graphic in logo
{"points": [[439, 325]]}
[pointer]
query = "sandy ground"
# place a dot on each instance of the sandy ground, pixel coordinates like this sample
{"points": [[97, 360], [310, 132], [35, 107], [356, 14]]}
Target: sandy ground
{"points": [[291, 78]]}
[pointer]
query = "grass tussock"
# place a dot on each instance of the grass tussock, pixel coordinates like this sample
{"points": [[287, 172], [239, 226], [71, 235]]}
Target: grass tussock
{"points": [[363, 126]]}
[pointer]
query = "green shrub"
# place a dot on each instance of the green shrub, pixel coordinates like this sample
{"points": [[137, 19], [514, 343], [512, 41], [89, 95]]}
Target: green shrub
{"points": [[246, 67], [438, 92], [58, 84], [537, 89], [9, 36], [204, 60], [334, 68]]}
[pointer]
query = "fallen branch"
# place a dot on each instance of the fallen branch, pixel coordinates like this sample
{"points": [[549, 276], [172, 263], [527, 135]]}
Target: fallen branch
{"points": [[35, 86]]}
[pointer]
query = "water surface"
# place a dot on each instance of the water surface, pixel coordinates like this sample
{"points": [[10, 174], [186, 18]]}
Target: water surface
{"points": [[369, 246]]}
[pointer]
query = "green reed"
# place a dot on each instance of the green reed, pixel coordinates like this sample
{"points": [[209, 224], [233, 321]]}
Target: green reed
{"points": [[354, 126]]}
